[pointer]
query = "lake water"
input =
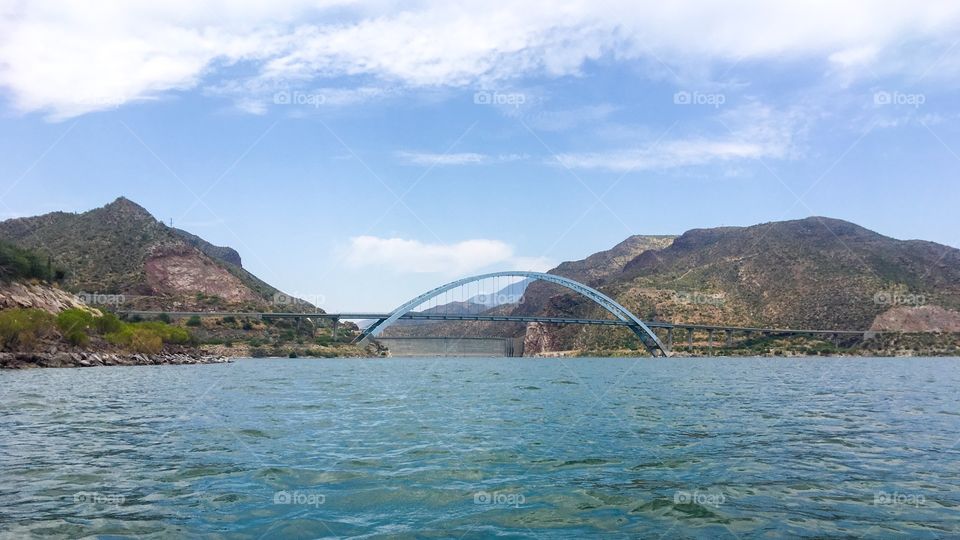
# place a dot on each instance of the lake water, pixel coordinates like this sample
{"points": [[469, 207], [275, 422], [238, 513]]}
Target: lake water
{"points": [[472, 448]]}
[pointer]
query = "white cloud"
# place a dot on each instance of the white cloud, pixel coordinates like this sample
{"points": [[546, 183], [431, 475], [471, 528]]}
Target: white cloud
{"points": [[460, 158], [560, 120], [73, 56], [458, 258], [750, 132]]}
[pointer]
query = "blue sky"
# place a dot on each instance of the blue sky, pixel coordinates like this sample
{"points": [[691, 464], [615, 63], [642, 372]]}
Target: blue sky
{"points": [[357, 154]]}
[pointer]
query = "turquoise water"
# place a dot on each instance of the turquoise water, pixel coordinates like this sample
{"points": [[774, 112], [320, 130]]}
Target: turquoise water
{"points": [[473, 448]]}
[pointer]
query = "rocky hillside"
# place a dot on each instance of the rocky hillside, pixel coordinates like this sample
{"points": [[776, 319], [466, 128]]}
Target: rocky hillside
{"points": [[810, 273], [121, 249], [24, 294], [814, 273], [543, 297]]}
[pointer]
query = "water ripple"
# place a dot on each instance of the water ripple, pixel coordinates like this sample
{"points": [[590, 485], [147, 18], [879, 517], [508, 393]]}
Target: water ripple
{"points": [[474, 448]]}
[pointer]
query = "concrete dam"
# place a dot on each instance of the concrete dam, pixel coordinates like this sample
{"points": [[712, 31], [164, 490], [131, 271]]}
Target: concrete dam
{"points": [[452, 346]]}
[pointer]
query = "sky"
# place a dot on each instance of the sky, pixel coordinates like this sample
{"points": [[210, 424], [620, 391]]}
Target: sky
{"points": [[359, 153]]}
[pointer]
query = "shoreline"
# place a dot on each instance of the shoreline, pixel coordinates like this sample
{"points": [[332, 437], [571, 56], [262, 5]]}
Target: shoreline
{"points": [[30, 360]]}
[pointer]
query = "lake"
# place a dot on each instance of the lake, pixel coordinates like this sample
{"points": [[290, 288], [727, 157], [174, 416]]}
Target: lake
{"points": [[473, 448]]}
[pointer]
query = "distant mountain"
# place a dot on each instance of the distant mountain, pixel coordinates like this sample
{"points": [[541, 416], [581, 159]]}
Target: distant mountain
{"points": [[511, 294], [122, 249], [501, 301]]}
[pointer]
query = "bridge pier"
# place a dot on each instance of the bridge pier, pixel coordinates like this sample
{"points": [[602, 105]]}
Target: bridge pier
{"points": [[710, 340], [729, 338], [670, 338], [690, 332], [333, 331]]}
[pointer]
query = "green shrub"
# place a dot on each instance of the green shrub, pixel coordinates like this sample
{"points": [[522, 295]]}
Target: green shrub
{"points": [[22, 328], [164, 318], [194, 321], [75, 325], [107, 324], [17, 263], [168, 333], [147, 337], [144, 341]]}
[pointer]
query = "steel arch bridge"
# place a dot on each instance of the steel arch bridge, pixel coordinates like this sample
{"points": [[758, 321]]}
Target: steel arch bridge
{"points": [[643, 332]]}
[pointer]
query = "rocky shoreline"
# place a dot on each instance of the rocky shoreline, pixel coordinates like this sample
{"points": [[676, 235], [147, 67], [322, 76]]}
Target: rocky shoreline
{"points": [[22, 360]]}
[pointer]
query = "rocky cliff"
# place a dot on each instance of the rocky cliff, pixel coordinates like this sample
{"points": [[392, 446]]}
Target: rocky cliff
{"points": [[122, 251]]}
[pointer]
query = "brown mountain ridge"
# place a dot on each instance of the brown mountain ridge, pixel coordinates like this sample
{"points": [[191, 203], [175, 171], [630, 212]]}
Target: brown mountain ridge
{"points": [[121, 249], [817, 273]]}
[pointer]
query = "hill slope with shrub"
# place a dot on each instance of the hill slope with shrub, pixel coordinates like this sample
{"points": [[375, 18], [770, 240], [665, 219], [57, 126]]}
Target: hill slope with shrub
{"points": [[121, 249]]}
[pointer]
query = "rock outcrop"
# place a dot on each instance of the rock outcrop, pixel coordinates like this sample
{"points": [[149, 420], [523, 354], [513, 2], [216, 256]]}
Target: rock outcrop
{"points": [[917, 319], [34, 295], [64, 359]]}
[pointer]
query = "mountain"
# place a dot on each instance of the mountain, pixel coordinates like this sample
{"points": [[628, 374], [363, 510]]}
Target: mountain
{"points": [[816, 273], [595, 268], [511, 294], [121, 249], [541, 297], [225, 254]]}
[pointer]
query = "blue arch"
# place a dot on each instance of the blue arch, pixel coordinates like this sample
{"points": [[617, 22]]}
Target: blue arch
{"points": [[649, 339]]}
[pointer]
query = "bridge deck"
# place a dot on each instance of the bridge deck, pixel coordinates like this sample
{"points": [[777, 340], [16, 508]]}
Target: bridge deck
{"points": [[493, 318]]}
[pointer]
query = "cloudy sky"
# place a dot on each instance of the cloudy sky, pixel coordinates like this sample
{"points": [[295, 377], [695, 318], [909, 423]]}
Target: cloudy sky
{"points": [[357, 153]]}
